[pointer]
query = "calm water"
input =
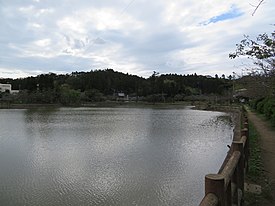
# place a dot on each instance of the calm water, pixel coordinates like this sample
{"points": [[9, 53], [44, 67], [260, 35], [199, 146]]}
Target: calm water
{"points": [[109, 156]]}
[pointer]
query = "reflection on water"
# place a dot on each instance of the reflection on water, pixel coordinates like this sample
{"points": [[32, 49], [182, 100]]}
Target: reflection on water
{"points": [[109, 156]]}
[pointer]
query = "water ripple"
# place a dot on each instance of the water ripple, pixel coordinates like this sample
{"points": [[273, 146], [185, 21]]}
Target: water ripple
{"points": [[109, 156]]}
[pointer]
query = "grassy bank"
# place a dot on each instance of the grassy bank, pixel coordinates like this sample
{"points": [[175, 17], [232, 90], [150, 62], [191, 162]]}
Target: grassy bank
{"points": [[256, 173]]}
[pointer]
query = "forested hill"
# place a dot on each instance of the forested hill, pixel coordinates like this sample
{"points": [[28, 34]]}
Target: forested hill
{"points": [[100, 85]]}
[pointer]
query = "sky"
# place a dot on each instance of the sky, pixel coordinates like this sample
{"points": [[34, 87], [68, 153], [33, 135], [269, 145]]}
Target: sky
{"points": [[129, 36]]}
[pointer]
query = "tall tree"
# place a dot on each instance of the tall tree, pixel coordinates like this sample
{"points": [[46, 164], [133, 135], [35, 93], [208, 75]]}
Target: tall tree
{"points": [[262, 52]]}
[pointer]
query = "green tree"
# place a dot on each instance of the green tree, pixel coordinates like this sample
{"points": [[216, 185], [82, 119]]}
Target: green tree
{"points": [[93, 95], [69, 96], [262, 52]]}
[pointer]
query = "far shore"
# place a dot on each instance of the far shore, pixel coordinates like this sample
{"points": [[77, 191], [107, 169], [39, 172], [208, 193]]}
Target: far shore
{"points": [[200, 105], [98, 104]]}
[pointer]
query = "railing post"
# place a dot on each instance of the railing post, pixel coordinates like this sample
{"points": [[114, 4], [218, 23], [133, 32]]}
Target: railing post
{"points": [[228, 194], [245, 132], [239, 179], [245, 118], [227, 187], [246, 126], [214, 183], [246, 129], [235, 194]]}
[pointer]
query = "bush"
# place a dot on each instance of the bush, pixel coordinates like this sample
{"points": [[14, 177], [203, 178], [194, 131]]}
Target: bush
{"points": [[155, 98], [269, 107], [69, 96], [265, 106], [272, 119], [253, 103], [260, 107], [179, 97]]}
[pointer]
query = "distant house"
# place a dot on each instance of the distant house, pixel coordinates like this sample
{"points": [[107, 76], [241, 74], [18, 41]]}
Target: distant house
{"points": [[120, 96], [14, 91], [5, 88]]}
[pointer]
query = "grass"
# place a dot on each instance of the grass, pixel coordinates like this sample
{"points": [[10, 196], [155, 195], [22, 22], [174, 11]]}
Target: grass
{"points": [[256, 173]]}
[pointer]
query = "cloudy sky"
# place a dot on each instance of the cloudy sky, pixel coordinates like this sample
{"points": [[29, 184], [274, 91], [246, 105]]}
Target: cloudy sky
{"points": [[134, 36]]}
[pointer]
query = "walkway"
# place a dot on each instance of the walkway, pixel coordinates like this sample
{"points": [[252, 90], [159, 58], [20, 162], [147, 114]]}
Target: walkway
{"points": [[267, 140]]}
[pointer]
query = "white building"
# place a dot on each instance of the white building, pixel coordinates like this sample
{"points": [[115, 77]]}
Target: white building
{"points": [[122, 97], [5, 87]]}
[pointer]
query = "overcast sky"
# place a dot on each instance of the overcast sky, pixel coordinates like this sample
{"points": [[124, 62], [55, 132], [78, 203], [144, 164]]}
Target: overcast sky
{"points": [[134, 36]]}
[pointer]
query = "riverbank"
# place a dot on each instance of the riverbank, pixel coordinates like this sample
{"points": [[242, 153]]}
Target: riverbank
{"points": [[200, 105], [99, 104]]}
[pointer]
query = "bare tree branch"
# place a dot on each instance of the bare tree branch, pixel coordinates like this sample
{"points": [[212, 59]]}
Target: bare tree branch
{"points": [[259, 4]]}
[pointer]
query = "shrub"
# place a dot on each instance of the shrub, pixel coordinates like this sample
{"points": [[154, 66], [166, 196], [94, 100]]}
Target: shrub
{"points": [[269, 104], [254, 103], [260, 107], [272, 119], [265, 106]]}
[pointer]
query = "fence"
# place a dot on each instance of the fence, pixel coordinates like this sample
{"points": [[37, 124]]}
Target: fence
{"points": [[227, 187]]}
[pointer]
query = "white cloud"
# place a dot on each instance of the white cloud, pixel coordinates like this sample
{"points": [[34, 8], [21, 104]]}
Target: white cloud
{"points": [[37, 12], [42, 42], [27, 9], [191, 13], [34, 25], [72, 25], [99, 20], [166, 36], [16, 73]]}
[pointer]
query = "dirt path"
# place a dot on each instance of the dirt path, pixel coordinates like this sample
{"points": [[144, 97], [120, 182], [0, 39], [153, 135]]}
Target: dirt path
{"points": [[267, 141]]}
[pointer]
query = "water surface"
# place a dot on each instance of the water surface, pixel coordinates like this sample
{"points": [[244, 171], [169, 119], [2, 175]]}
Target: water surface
{"points": [[109, 156]]}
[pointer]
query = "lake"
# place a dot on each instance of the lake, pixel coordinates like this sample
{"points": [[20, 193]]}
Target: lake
{"points": [[109, 156]]}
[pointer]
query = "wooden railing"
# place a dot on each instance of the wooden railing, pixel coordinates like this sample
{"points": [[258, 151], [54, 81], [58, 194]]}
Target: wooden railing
{"points": [[227, 186]]}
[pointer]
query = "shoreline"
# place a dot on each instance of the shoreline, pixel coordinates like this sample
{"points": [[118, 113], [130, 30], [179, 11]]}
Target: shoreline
{"points": [[98, 104], [199, 105]]}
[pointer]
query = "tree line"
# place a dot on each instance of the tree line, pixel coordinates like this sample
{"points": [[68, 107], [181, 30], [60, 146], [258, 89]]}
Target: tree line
{"points": [[102, 85]]}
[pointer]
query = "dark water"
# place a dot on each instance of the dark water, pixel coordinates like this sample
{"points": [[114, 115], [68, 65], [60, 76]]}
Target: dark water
{"points": [[109, 156]]}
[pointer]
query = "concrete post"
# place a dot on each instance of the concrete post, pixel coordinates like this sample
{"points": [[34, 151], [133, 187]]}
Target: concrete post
{"points": [[228, 194], [245, 132], [238, 146], [214, 183]]}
